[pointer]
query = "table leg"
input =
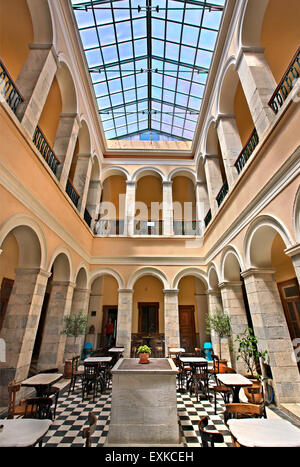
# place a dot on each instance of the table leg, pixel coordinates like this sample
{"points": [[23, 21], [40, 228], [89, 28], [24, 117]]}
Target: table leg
{"points": [[235, 394]]}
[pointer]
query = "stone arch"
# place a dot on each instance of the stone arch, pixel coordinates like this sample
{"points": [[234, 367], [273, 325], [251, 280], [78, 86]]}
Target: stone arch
{"points": [[231, 264], [106, 272], [67, 87], [42, 21], [259, 238], [81, 278], [182, 172], [62, 259], [29, 236], [145, 171], [148, 271], [296, 216], [213, 277], [196, 272], [250, 24], [84, 137], [111, 171], [227, 88]]}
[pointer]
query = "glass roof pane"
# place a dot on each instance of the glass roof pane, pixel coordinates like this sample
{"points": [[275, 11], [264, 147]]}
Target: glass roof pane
{"points": [[175, 62]]}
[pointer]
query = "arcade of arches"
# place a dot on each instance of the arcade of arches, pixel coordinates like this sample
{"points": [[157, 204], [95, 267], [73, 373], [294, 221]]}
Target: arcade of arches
{"points": [[221, 224]]}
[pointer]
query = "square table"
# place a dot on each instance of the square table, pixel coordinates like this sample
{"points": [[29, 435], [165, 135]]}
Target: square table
{"points": [[235, 382], [263, 432], [41, 382], [98, 360], [22, 433]]}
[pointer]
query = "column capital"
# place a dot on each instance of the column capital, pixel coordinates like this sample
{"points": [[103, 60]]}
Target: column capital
{"points": [[131, 182], [224, 117], [170, 291], [64, 284], [167, 182], [213, 292], [291, 251], [257, 272], [125, 291], [243, 50], [208, 157], [230, 284], [33, 271], [82, 289]]}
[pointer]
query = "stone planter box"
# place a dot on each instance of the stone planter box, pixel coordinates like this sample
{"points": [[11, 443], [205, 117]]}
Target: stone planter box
{"points": [[144, 404]]}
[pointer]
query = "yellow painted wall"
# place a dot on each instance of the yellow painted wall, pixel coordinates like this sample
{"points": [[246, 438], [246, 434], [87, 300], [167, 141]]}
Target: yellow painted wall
{"points": [[16, 32], [281, 262], [280, 34], [186, 295], [109, 291], [112, 188], [149, 190], [50, 116], [148, 289], [243, 116], [9, 258]]}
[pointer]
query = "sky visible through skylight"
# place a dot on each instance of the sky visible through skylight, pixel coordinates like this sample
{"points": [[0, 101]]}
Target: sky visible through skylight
{"points": [[149, 61]]}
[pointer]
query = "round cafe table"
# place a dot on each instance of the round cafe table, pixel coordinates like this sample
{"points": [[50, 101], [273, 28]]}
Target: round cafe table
{"points": [[23, 432]]}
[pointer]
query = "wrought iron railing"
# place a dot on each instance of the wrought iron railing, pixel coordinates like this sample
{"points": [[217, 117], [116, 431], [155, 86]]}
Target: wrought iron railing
{"points": [[44, 148], [72, 193], [187, 227], [87, 217], [286, 84], [207, 218], [247, 151], [8, 89], [222, 193]]}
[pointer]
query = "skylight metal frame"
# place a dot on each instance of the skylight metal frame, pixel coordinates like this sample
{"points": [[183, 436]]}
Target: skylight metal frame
{"points": [[181, 101]]}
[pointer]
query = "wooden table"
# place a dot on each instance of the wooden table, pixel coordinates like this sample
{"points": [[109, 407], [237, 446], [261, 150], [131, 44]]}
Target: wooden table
{"points": [[98, 360], [42, 381], [117, 349], [22, 433], [177, 351], [262, 432], [235, 382], [192, 362]]}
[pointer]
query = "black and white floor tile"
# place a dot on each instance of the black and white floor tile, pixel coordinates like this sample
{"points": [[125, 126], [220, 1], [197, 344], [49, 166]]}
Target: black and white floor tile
{"points": [[72, 413]]}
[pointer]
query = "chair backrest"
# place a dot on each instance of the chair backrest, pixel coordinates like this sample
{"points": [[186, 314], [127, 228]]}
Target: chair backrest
{"points": [[208, 437], [87, 432], [256, 395], [199, 352], [75, 361], [242, 410], [201, 368], [91, 370], [12, 388], [228, 369], [216, 363], [38, 407]]}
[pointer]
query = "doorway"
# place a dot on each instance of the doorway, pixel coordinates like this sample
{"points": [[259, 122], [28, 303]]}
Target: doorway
{"points": [[5, 291], [109, 311], [187, 327]]}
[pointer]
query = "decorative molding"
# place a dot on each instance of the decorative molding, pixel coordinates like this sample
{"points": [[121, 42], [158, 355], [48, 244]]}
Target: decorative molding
{"points": [[293, 251], [257, 272]]}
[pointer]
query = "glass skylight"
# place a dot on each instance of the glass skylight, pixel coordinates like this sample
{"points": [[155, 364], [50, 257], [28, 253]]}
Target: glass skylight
{"points": [[149, 61]]}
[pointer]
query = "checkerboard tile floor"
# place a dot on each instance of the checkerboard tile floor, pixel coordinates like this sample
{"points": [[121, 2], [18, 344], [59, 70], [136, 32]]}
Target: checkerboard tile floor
{"points": [[72, 413]]}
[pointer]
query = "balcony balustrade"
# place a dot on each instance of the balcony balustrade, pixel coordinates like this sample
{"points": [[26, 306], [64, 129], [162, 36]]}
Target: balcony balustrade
{"points": [[207, 218], [222, 194], [247, 151], [44, 148], [286, 84], [187, 227], [72, 193], [87, 217], [9, 90], [108, 227]]}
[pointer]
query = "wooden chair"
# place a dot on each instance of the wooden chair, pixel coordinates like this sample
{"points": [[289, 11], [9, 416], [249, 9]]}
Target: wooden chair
{"points": [[77, 373], [208, 437], [242, 410], [222, 389], [91, 380], [199, 379], [87, 432], [257, 397], [199, 352], [52, 391], [38, 407], [15, 410], [216, 367]]}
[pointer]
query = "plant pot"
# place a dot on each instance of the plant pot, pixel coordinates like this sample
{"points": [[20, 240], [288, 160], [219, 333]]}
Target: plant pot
{"points": [[222, 365], [144, 358], [68, 369]]}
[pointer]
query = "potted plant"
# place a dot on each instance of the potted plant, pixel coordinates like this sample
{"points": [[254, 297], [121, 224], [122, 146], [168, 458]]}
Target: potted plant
{"points": [[220, 324], [144, 352], [249, 353], [74, 326]]}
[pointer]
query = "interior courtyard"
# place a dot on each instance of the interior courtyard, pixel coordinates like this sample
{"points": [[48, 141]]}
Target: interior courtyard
{"points": [[149, 180]]}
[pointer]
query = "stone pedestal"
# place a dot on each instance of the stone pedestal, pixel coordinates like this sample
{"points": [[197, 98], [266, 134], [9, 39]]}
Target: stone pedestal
{"points": [[144, 404]]}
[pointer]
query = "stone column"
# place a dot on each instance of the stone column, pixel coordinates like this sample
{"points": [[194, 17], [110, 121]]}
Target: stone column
{"points": [[272, 333], [34, 83], [214, 179], [64, 145], [124, 320], [82, 178], [258, 84], [167, 208], [202, 204], [53, 341], [93, 199], [215, 303], [22, 319], [231, 145], [234, 307], [80, 302], [172, 331], [130, 207], [294, 254], [95, 304]]}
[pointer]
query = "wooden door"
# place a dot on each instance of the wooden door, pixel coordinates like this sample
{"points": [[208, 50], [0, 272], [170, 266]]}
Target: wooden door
{"points": [[187, 327], [290, 297], [5, 291]]}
